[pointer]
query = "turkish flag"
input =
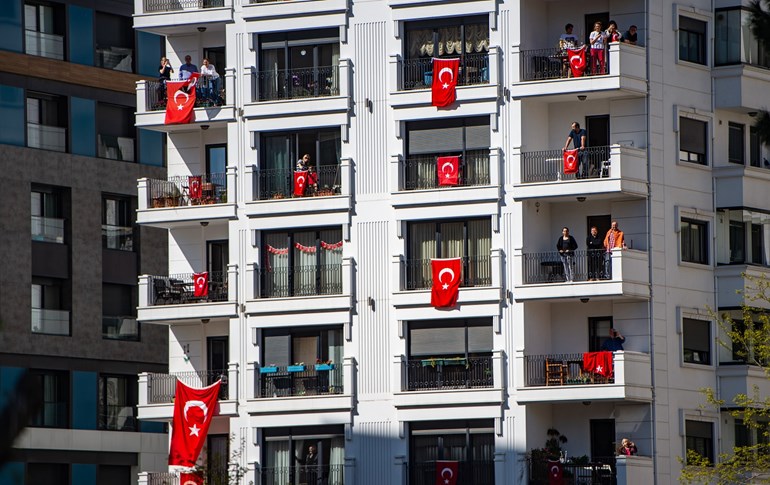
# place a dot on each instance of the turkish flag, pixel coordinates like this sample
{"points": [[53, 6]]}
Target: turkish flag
{"points": [[571, 161], [447, 169], [201, 284], [181, 100], [446, 472], [446, 282], [194, 184], [598, 363], [577, 61], [193, 410], [190, 479], [300, 183], [555, 473], [445, 72]]}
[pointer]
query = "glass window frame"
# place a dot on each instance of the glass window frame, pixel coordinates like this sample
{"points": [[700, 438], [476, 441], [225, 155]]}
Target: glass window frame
{"points": [[699, 157], [692, 42], [124, 224], [688, 252], [129, 383], [736, 143], [63, 398], [692, 353], [694, 442]]}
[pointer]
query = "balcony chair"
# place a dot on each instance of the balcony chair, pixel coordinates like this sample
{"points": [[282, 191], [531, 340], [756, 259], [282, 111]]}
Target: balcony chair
{"points": [[164, 292], [555, 373]]}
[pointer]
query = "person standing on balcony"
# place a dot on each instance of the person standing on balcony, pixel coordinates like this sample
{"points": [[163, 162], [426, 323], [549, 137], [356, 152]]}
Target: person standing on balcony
{"points": [[630, 37], [309, 466], [568, 40], [211, 79], [303, 163], [165, 71], [186, 69], [627, 447], [597, 40], [595, 247], [578, 137], [613, 239], [566, 245], [614, 342], [613, 34]]}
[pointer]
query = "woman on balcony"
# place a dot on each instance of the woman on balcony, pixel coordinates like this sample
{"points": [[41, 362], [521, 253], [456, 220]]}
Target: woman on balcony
{"points": [[165, 71], [566, 245], [597, 41]]}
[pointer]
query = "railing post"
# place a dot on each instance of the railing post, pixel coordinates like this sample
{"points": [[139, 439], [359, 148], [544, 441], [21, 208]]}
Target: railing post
{"points": [[232, 185], [252, 276], [496, 262], [396, 272], [250, 385], [520, 369], [346, 176], [614, 59], [250, 75], [349, 474], [143, 383], [348, 368], [395, 71], [145, 289], [141, 97], [396, 173], [617, 264], [143, 194], [497, 370], [619, 367], [347, 277], [230, 86], [144, 477], [232, 282], [516, 64], [398, 380], [232, 381], [516, 164], [616, 164], [344, 74], [251, 183], [494, 68]]}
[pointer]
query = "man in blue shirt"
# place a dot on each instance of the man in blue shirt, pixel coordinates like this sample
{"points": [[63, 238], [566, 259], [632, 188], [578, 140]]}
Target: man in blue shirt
{"points": [[579, 138], [615, 342], [188, 68]]}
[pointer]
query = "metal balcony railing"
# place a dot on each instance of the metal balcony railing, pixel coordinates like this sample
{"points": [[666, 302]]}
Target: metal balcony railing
{"points": [[437, 373], [480, 472], [317, 474], [548, 165], [421, 172], [156, 94], [179, 289], [308, 82], [48, 229], [547, 267], [120, 328], [570, 370], [151, 6], [46, 137], [44, 45], [418, 73], [161, 388], [278, 183], [309, 382], [552, 63], [307, 280], [179, 191], [476, 271], [600, 471], [52, 322], [117, 237]]}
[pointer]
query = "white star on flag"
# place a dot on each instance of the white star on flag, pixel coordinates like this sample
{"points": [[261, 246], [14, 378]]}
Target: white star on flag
{"points": [[194, 430], [599, 369], [446, 481], [445, 286], [179, 107], [446, 86]]}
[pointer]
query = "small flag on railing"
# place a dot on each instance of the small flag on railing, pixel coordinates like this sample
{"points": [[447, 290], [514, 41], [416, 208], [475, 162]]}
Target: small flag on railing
{"points": [[191, 478], [555, 473], [577, 61], [194, 183], [446, 472], [447, 169], [201, 282], [570, 161]]}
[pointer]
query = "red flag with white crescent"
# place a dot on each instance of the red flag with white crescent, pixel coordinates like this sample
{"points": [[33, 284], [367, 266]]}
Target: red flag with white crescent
{"points": [[446, 472], [447, 169], [300, 183], [180, 103], [598, 363], [445, 72], [446, 282], [195, 187], [191, 478], [201, 284], [577, 61], [571, 161], [193, 410], [555, 473]]}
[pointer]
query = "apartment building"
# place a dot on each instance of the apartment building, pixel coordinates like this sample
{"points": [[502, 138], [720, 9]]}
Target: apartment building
{"points": [[317, 314], [72, 250]]}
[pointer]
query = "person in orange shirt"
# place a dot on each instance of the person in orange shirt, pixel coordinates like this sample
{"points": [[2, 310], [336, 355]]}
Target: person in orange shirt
{"points": [[613, 239]]}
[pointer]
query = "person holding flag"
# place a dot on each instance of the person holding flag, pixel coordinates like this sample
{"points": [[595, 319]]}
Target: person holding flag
{"points": [[578, 137]]}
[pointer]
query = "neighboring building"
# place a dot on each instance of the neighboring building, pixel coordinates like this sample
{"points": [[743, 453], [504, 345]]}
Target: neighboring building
{"points": [[343, 274], [72, 251]]}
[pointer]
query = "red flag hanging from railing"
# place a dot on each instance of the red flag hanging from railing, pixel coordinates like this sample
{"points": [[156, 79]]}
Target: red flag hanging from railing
{"points": [[447, 169], [300, 183], [570, 161], [446, 282], [180, 103], [194, 183], [446, 472], [201, 284], [445, 72], [193, 410], [191, 478], [577, 61], [598, 363], [555, 473]]}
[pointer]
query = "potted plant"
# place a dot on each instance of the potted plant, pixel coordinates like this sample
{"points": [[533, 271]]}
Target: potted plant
{"points": [[268, 369], [297, 367], [325, 365]]}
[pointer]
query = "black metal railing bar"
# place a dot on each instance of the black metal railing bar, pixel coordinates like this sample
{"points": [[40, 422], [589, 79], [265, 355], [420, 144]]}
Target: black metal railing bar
{"points": [[418, 72], [553, 63], [476, 271], [297, 83], [306, 280], [548, 165], [178, 289], [161, 388], [310, 382], [535, 370], [278, 183], [421, 172], [448, 373]]}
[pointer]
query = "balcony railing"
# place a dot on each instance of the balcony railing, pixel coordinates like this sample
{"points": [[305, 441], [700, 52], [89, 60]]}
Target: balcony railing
{"points": [[476, 271], [571, 371], [161, 388], [308, 280], [116, 147], [326, 474], [421, 172], [547, 267], [448, 373], [309, 82], [310, 382], [156, 95], [418, 73], [117, 237], [552, 63], [475, 472], [601, 471], [120, 328], [44, 45], [179, 191], [279, 183], [179, 289], [117, 418], [53, 322], [151, 6], [548, 165], [48, 229], [46, 137]]}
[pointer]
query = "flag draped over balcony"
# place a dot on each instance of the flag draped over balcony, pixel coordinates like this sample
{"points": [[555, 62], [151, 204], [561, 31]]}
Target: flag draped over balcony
{"points": [[447, 169], [555, 473], [446, 282], [577, 61], [181, 100], [570, 161], [598, 363], [445, 72], [446, 472], [191, 478], [193, 410], [201, 284], [196, 190], [300, 182]]}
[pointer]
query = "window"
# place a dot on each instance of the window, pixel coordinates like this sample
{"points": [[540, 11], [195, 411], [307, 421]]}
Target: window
{"points": [[114, 42], [117, 223], [302, 263], [692, 40], [470, 240], [216, 159], [755, 147], [48, 473], [46, 121], [119, 312], [733, 41], [741, 236], [735, 145], [47, 221], [49, 315], [749, 435], [692, 140], [217, 459], [54, 388], [426, 140], [757, 244], [116, 133], [694, 241], [743, 351], [286, 452], [696, 341], [737, 242], [44, 30], [598, 330], [699, 437], [117, 403]]}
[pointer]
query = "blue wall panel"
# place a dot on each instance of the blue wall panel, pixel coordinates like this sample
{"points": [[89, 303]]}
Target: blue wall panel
{"points": [[151, 147], [12, 473], [148, 48], [83, 126], [81, 35], [12, 126], [151, 427], [11, 25], [83, 474], [84, 395]]}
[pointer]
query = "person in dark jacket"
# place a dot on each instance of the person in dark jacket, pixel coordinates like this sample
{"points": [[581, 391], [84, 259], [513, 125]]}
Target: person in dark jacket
{"points": [[566, 245], [595, 247]]}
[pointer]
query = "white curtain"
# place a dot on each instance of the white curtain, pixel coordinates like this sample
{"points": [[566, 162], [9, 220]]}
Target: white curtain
{"points": [[337, 461], [479, 247], [304, 252], [334, 338], [272, 81], [276, 266], [278, 462], [331, 262], [422, 248]]}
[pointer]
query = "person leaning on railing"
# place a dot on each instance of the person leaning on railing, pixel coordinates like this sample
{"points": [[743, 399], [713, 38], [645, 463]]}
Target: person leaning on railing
{"points": [[210, 75], [613, 239]]}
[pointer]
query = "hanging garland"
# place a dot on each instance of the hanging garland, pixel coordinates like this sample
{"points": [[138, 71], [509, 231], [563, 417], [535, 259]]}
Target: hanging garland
{"points": [[305, 249], [272, 250], [331, 247]]}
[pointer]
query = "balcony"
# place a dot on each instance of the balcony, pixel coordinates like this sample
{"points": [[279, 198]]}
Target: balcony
{"points": [[321, 95], [216, 476], [118, 237], [326, 474], [171, 299], [168, 17], [48, 229], [117, 418], [734, 287], [50, 322], [476, 271], [542, 72], [151, 106], [157, 391], [475, 472], [271, 15], [631, 382], [46, 137], [740, 87], [612, 171], [171, 203], [735, 379], [44, 45], [542, 275], [741, 186], [599, 471], [120, 328]]}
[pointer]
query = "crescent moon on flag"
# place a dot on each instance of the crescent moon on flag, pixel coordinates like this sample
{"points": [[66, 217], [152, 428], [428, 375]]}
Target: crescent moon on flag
{"points": [[451, 473], [440, 275], [570, 158], [200, 281], [555, 470], [186, 96], [451, 167], [449, 70], [195, 404], [576, 60], [301, 179], [189, 482]]}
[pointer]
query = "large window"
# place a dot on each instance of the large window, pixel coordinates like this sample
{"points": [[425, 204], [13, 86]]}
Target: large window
{"points": [[699, 437], [755, 147], [741, 235], [46, 121], [116, 132], [49, 309], [735, 143], [743, 348], [44, 29], [54, 387], [470, 240], [694, 241], [692, 40], [303, 455], [114, 42], [119, 312], [751, 434], [48, 473], [737, 242], [733, 41], [696, 341], [117, 223], [47, 215], [693, 138], [117, 402]]}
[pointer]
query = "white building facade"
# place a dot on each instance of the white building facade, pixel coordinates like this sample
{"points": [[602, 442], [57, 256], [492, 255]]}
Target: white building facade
{"points": [[318, 312]]}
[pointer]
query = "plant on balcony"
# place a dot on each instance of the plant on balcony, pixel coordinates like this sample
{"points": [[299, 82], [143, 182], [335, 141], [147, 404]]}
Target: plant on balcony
{"points": [[232, 474], [323, 365], [551, 451], [297, 367], [268, 369]]}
